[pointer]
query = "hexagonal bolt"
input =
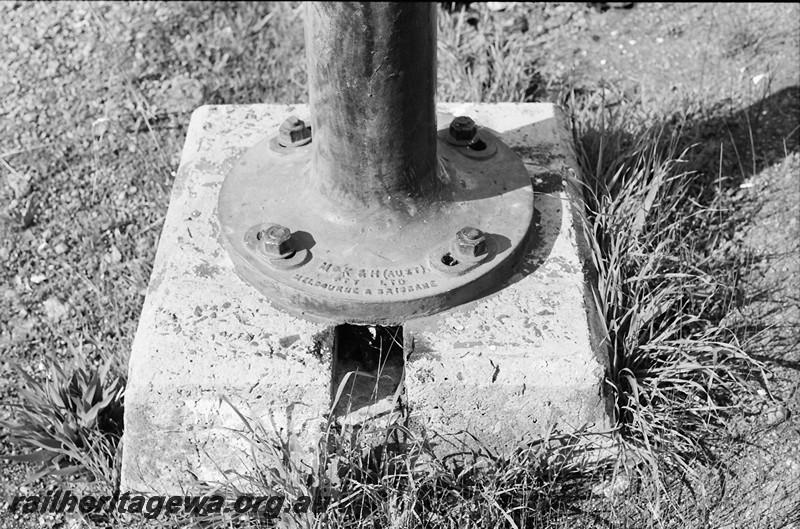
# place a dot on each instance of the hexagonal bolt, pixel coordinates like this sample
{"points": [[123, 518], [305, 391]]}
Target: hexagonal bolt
{"points": [[463, 128], [276, 241], [293, 132], [470, 242]]}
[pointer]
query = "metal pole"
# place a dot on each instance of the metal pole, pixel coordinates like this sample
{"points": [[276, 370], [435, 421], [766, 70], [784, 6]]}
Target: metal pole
{"points": [[371, 215], [372, 83]]}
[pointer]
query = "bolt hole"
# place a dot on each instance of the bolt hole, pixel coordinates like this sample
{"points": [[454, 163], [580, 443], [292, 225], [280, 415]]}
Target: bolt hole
{"points": [[448, 260], [477, 145]]}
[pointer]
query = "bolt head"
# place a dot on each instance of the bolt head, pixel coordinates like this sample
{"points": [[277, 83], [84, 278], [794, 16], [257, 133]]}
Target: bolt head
{"points": [[293, 132], [470, 242], [276, 241], [463, 128]]}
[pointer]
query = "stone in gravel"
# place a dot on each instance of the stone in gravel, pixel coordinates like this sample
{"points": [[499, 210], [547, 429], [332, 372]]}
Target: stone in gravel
{"points": [[777, 415], [20, 184], [21, 328], [61, 248], [54, 309], [114, 256]]}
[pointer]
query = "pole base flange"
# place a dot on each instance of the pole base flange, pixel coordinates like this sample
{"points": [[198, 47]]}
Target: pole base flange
{"points": [[374, 265]]}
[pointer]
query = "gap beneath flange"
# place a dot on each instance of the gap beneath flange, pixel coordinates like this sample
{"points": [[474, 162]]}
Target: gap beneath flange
{"points": [[367, 374]]}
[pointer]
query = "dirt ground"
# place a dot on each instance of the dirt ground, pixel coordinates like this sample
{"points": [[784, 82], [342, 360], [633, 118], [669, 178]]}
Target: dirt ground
{"points": [[95, 98]]}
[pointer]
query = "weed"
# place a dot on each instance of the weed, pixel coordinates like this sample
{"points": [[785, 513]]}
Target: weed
{"points": [[73, 421]]}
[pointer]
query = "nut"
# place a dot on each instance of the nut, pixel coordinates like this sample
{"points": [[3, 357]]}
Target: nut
{"points": [[470, 242], [293, 132], [463, 128], [276, 241]]}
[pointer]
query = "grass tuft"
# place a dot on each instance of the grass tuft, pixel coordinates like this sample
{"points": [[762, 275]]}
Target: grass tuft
{"points": [[72, 421], [675, 370], [479, 59]]}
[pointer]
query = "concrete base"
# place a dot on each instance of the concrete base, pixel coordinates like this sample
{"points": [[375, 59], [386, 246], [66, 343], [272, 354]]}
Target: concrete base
{"points": [[505, 368]]}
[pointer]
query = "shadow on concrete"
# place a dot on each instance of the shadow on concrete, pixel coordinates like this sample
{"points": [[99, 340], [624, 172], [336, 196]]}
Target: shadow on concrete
{"points": [[550, 191]]}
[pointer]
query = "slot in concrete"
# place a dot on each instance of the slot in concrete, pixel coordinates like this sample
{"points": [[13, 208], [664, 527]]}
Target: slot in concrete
{"points": [[368, 364]]}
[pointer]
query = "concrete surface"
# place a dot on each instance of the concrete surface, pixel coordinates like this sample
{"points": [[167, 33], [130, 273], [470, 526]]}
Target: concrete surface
{"points": [[204, 334], [505, 368]]}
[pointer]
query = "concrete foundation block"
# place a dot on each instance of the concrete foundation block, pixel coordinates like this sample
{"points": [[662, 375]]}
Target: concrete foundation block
{"points": [[526, 360], [504, 369]]}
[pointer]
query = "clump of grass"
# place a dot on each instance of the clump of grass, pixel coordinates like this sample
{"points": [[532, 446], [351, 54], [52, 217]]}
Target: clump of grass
{"points": [[272, 470], [72, 421], [398, 481], [401, 482], [377, 473], [663, 292]]}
